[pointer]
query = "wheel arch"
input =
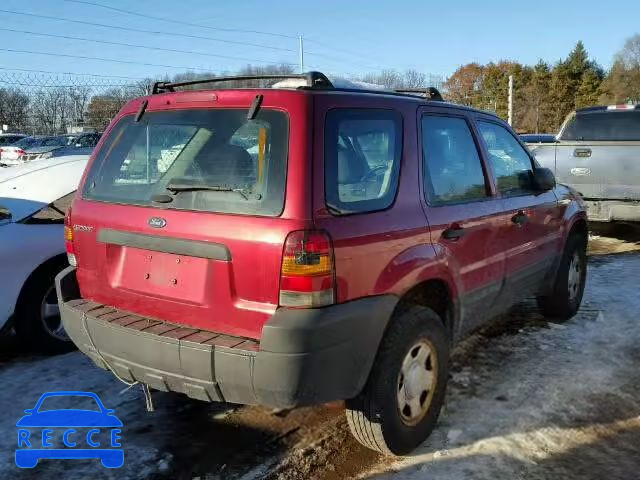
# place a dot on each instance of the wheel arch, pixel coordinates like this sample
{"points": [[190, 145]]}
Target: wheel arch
{"points": [[57, 261], [436, 294], [579, 227]]}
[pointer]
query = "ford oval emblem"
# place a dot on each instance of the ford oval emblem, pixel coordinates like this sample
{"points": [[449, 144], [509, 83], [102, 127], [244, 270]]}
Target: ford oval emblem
{"points": [[157, 222]]}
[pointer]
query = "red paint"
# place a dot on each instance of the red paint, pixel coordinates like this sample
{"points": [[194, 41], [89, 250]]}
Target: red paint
{"points": [[375, 253]]}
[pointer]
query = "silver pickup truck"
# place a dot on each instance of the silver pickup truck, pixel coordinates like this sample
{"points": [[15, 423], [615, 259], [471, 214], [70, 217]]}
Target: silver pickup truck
{"points": [[597, 152]]}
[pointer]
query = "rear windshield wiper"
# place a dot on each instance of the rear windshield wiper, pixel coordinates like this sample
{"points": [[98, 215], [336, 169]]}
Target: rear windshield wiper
{"points": [[188, 187]]}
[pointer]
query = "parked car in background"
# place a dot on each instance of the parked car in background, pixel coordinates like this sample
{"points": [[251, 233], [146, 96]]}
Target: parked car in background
{"points": [[534, 140], [598, 153], [10, 138], [33, 200], [31, 148], [10, 153], [306, 244], [86, 140]]}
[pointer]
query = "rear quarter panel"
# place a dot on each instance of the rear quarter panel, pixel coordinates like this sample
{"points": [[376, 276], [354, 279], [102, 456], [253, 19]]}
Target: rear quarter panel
{"points": [[386, 251]]}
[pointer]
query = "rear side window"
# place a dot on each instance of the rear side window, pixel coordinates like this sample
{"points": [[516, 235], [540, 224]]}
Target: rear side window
{"points": [[453, 170], [363, 148], [206, 160], [603, 126], [510, 161]]}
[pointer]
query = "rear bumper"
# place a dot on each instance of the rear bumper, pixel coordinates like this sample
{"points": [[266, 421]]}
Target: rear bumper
{"points": [[304, 357], [613, 210]]}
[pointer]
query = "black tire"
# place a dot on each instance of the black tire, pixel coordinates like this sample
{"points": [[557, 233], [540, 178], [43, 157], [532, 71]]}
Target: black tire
{"points": [[29, 325], [374, 416], [560, 304]]}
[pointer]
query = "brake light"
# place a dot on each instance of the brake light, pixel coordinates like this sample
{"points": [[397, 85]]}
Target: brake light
{"points": [[20, 152], [68, 240], [307, 277], [624, 106]]}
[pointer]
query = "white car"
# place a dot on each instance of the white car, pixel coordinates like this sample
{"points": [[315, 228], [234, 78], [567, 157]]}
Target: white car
{"points": [[33, 200]]}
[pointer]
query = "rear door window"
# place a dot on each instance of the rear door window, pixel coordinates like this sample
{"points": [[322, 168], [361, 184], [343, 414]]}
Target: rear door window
{"points": [[363, 149], [603, 126], [453, 169], [207, 160]]}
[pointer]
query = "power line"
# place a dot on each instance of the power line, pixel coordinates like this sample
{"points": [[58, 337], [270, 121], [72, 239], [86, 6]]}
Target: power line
{"points": [[140, 30], [336, 49], [235, 30], [102, 59], [334, 59], [27, 84], [71, 73], [180, 22], [133, 45]]}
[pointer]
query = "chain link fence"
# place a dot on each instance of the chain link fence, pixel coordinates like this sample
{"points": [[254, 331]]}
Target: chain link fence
{"points": [[39, 103], [43, 103]]}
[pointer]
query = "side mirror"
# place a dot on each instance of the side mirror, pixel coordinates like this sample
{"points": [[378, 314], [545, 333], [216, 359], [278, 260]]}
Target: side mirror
{"points": [[544, 179]]}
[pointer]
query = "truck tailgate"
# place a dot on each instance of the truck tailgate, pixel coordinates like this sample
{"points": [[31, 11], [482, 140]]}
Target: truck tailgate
{"points": [[600, 170]]}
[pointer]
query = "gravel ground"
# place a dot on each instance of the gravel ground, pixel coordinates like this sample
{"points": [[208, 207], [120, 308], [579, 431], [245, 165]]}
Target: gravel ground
{"points": [[528, 399]]}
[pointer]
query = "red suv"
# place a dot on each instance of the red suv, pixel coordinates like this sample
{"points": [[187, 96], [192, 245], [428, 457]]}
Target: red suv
{"points": [[307, 243]]}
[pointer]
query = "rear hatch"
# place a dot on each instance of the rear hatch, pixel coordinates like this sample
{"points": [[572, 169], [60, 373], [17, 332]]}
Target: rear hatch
{"points": [[599, 153], [182, 214]]}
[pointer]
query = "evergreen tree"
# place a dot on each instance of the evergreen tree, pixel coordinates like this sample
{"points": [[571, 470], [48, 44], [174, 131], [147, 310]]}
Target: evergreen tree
{"points": [[540, 92], [589, 90], [561, 93]]}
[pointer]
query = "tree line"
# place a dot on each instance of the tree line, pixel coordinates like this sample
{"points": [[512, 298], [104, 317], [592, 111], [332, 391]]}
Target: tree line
{"points": [[544, 94]]}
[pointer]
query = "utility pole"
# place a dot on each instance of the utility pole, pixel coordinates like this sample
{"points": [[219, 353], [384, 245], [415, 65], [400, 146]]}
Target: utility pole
{"points": [[510, 110], [301, 54]]}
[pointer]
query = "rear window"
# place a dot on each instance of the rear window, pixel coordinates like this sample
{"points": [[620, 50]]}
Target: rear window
{"points": [[362, 159], [604, 126], [206, 160]]}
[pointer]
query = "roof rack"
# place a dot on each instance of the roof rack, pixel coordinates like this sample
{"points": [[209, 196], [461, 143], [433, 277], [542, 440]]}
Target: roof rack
{"points": [[430, 93], [313, 79]]}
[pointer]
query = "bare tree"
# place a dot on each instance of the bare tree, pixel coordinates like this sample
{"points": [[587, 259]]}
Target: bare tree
{"points": [[414, 79], [13, 108]]}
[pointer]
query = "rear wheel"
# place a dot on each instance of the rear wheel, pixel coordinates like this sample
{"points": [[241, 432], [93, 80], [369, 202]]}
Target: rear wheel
{"points": [[400, 404], [38, 323], [568, 288]]}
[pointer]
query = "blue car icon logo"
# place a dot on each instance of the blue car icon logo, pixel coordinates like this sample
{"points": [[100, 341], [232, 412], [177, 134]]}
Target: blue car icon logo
{"points": [[83, 433]]}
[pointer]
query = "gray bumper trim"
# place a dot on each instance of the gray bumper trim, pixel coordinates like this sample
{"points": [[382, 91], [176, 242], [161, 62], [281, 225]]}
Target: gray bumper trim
{"points": [[305, 357]]}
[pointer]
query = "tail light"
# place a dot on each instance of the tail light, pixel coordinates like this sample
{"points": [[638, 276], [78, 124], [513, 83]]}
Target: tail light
{"points": [[68, 240], [307, 277], [20, 152]]}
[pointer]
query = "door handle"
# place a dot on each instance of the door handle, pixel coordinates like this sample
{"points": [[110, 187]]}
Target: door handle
{"points": [[520, 218], [453, 233], [582, 152]]}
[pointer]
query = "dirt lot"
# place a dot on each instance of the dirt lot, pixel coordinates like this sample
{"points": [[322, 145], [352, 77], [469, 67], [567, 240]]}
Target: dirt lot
{"points": [[527, 399]]}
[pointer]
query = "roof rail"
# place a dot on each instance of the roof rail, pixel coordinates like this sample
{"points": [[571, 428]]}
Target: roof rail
{"points": [[313, 79], [430, 93]]}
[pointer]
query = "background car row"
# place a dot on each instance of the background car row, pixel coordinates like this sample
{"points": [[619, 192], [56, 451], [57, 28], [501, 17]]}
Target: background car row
{"points": [[26, 149]]}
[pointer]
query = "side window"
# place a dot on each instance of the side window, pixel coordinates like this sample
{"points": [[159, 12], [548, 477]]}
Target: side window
{"points": [[453, 170], [363, 149], [511, 164]]}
